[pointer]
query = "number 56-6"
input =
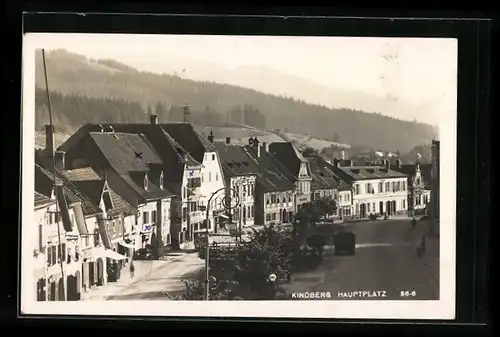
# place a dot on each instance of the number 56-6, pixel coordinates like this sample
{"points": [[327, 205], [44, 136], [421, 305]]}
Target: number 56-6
{"points": [[408, 293]]}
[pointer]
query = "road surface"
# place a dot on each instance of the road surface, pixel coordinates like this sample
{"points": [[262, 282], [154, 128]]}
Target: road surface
{"points": [[386, 266], [168, 277]]}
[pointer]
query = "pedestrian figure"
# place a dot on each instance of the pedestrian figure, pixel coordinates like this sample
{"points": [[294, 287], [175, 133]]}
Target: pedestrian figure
{"points": [[422, 244], [132, 269], [413, 222]]}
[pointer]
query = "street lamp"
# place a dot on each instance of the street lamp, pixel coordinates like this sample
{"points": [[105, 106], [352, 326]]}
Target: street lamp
{"points": [[228, 206]]}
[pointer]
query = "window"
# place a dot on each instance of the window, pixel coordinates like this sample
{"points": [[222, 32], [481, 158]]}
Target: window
{"points": [[387, 187], [108, 204], [209, 176], [273, 199], [194, 182], [153, 217], [252, 212], [404, 204], [340, 198], [216, 176], [145, 181], [145, 218], [356, 188], [213, 157], [368, 207], [380, 187], [403, 188], [87, 241], [40, 236], [96, 237]]}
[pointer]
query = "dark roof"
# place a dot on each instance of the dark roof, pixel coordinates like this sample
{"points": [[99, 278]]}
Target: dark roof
{"points": [[172, 154], [410, 169], [288, 155], [353, 173], [190, 139], [41, 200], [126, 152], [44, 183], [272, 175], [322, 176], [235, 160]]}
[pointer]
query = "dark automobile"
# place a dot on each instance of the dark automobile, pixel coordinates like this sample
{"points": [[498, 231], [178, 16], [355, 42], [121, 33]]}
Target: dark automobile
{"points": [[345, 243]]}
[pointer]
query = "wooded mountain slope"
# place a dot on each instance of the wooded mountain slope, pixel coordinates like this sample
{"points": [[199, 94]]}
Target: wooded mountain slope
{"points": [[75, 74]]}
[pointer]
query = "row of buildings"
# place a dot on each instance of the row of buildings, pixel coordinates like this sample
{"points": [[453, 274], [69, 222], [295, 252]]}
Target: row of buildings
{"points": [[112, 189]]}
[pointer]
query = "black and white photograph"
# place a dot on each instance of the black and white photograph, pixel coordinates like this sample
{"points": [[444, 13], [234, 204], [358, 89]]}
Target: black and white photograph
{"points": [[239, 176]]}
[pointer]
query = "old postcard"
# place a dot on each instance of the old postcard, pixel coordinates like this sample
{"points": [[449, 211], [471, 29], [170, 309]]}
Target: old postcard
{"points": [[239, 176]]}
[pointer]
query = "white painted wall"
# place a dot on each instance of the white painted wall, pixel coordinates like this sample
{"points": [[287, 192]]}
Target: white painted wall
{"points": [[245, 187], [276, 204], [212, 180], [361, 195]]}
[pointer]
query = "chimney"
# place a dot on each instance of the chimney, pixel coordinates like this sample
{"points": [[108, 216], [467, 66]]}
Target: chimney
{"points": [[256, 142], [49, 139], [211, 137], [351, 163], [388, 164], [258, 150], [399, 162], [153, 119], [228, 140], [59, 159]]}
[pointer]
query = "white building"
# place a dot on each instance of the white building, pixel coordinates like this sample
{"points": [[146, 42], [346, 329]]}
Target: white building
{"points": [[240, 174], [377, 190]]}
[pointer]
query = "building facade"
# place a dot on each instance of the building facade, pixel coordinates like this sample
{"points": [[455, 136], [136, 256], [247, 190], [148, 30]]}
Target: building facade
{"points": [[377, 190], [419, 186], [275, 189]]}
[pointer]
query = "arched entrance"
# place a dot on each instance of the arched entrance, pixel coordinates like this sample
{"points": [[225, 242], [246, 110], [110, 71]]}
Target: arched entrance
{"points": [[60, 290], [41, 289], [100, 271], [284, 216]]}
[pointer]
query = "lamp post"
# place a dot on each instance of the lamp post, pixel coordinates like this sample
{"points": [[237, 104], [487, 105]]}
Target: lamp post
{"points": [[228, 206]]}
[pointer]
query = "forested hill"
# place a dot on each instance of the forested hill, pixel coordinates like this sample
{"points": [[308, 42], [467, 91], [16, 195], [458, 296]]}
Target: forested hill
{"points": [[212, 103]]}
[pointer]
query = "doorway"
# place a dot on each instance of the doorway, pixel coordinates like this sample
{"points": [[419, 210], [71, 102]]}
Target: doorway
{"points": [[362, 211]]}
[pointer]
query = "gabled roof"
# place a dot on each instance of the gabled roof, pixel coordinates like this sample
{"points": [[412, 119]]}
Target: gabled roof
{"points": [[92, 185], [235, 160], [410, 170], [354, 173], [44, 184], [190, 139], [322, 176], [288, 155], [272, 175], [172, 154], [126, 152], [42, 201]]}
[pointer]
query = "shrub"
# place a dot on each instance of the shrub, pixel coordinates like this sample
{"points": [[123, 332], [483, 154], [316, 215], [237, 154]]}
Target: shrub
{"points": [[373, 216]]}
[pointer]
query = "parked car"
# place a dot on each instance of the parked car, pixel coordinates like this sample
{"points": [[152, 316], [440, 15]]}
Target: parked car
{"points": [[344, 243]]}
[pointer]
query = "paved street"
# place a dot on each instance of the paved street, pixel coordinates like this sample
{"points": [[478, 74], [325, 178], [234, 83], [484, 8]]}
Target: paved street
{"points": [[385, 264], [167, 277]]}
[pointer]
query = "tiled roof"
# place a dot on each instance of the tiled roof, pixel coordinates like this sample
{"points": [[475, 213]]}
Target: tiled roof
{"points": [[190, 139], [353, 173], [323, 177], [126, 152], [288, 155], [44, 183], [272, 175], [235, 160], [172, 154], [41, 200], [81, 174]]}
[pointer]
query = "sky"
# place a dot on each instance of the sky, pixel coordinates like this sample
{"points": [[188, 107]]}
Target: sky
{"points": [[419, 72]]}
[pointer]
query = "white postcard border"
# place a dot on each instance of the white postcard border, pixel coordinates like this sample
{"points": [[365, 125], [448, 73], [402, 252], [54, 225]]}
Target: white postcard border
{"points": [[365, 309]]}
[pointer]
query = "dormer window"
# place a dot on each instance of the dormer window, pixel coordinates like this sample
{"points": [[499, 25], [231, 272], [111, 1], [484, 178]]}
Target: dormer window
{"points": [[146, 181], [161, 180]]}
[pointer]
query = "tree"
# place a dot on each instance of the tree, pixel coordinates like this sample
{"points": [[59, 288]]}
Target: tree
{"points": [[266, 252]]}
